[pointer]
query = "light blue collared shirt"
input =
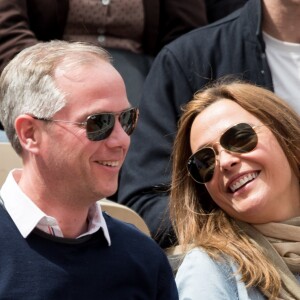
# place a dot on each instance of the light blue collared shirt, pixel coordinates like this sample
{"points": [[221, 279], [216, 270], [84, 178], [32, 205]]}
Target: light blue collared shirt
{"points": [[200, 277]]}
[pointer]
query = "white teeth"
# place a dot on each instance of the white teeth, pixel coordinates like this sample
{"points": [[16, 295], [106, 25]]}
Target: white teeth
{"points": [[236, 185], [110, 163]]}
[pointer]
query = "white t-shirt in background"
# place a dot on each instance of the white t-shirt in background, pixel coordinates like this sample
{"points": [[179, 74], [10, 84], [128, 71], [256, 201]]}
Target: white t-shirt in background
{"points": [[284, 61]]}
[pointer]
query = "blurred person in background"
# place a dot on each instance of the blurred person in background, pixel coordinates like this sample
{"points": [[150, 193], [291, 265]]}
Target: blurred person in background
{"points": [[133, 30]]}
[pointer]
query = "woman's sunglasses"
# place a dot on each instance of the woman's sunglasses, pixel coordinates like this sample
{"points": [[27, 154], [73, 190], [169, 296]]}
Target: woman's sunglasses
{"points": [[240, 138], [99, 126]]}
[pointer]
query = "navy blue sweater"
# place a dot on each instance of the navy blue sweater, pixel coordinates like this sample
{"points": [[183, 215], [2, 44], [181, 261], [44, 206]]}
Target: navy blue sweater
{"points": [[46, 267]]}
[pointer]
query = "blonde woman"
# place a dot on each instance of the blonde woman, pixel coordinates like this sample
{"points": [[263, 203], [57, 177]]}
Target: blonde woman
{"points": [[235, 197]]}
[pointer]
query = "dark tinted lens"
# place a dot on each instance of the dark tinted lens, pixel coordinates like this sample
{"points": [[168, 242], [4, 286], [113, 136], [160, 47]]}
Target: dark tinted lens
{"points": [[201, 165], [128, 120], [240, 138], [99, 127]]}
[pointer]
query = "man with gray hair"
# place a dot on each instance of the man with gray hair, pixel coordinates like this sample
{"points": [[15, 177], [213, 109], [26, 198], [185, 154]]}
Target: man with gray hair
{"points": [[65, 111]]}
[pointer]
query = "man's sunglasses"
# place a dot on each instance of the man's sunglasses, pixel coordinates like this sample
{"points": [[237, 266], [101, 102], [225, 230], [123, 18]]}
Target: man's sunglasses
{"points": [[99, 126], [240, 138]]}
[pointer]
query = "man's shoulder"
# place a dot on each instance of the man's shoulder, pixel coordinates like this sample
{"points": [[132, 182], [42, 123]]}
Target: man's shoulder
{"points": [[5, 219], [122, 230], [213, 51], [134, 243], [206, 33]]}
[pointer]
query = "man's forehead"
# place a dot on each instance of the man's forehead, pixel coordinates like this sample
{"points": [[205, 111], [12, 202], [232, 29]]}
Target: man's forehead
{"points": [[78, 71]]}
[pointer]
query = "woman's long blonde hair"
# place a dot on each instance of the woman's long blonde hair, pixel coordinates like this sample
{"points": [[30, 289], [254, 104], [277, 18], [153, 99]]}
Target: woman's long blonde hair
{"points": [[196, 218]]}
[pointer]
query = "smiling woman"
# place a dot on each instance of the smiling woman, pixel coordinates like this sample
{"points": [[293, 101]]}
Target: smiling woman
{"points": [[236, 166]]}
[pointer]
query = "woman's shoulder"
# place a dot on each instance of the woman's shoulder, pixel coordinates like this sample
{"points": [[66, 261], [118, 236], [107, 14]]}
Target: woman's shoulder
{"points": [[202, 276], [199, 259]]}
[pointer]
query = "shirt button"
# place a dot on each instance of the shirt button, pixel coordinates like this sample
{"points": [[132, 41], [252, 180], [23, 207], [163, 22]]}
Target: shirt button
{"points": [[105, 2], [101, 39]]}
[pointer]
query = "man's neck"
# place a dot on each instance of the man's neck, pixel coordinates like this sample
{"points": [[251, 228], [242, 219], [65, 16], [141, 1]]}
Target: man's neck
{"points": [[73, 225], [69, 211], [281, 19], [72, 219]]}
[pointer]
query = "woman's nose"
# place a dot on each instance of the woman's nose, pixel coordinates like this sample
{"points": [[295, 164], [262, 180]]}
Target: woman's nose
{"points": [[227, 159]]}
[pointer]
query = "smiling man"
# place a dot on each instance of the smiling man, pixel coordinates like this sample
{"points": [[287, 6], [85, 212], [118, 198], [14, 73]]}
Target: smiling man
{"points": [[66, 113]]}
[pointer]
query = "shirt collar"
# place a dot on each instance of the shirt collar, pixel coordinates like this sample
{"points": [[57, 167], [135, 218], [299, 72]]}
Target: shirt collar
{"points": [[27, 216]]}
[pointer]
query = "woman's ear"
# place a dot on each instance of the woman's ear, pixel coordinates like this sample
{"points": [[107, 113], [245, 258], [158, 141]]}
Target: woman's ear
{"points": [[28, 131]]}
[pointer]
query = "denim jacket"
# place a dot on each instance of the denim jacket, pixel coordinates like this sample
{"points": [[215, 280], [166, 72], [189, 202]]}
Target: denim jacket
{"points": [[201, 277]]}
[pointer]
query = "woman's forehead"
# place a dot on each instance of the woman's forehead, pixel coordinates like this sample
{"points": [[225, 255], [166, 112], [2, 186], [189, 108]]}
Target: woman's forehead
{"points": [[215, 119]]}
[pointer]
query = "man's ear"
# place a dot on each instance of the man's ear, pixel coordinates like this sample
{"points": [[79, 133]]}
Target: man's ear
{"points": [[28, 131]]}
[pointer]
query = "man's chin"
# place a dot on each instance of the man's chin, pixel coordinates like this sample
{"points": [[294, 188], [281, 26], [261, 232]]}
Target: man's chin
{"points": [[109, 190]]}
